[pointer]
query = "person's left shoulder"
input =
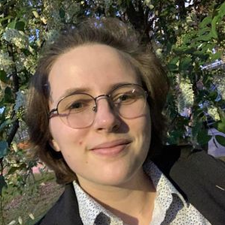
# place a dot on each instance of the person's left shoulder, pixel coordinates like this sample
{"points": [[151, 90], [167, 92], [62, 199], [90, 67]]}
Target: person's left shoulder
{"points": [[184, 157], [201, 164], [199, 177]]}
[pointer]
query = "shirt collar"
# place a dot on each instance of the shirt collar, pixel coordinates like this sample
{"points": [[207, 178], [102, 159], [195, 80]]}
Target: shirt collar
{"points": [[89, 209], [86, 205], [164, 188]]}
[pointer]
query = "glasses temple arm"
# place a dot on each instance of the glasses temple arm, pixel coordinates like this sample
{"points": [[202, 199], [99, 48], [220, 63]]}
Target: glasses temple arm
{"points": [[52, 113]]}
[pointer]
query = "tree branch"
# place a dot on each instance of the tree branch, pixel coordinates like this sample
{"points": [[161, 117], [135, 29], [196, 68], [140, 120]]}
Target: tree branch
{"points": [[15, 77], [13, 130]]}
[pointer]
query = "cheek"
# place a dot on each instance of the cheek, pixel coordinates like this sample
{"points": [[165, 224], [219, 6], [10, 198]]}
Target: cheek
{"points": [[141, 131], [65, 137], [148, 127], [144, 132], [145, 124]]}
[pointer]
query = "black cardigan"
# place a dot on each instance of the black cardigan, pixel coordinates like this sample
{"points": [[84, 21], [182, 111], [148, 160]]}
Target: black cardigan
{"points": [[200, 178]]}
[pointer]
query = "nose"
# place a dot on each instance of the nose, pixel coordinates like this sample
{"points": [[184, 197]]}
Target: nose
{"points": [[106, 119]]}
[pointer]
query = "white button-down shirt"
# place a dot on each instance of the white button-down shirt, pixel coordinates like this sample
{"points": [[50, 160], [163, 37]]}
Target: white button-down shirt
{"points": [[170, 208]]}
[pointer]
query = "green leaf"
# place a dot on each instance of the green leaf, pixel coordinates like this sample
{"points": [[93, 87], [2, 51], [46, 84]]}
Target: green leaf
{"points": [[5, 18], [13, 169], [203, 31], [205, 37], [216, 56], [172, 65], [203, 138], [186, 63], [221, 126], [2, 183], [5, 123], [220, 139], [62, 13], [3, 148], [3, 76], [222, 9], [204, 34], [197, 53], [12, 25], [20, 25], [174, 137], [206, 21], [196, 128], [213, 95], [8, 95], [213, 30]]}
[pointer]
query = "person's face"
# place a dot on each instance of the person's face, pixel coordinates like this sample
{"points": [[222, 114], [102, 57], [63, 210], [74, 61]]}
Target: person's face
{"points": [[112, 150]]}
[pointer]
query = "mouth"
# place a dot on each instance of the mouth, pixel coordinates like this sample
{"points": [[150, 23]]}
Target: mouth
{"points": [[111, 148]]}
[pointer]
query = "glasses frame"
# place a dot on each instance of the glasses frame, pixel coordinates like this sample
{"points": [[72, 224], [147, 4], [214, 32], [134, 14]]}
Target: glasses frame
{"points": [[55, 112]]}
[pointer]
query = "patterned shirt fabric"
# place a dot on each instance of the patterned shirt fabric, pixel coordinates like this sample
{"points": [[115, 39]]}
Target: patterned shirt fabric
{"points": [[170, 208]]}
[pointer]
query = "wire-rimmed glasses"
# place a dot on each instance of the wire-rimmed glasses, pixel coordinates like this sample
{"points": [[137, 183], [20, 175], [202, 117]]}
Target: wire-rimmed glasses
{"points": [[78, 110]]}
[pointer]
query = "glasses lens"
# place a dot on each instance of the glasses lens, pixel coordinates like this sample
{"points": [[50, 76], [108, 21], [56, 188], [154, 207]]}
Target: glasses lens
{"points": [[77, 110], [129, 100]]}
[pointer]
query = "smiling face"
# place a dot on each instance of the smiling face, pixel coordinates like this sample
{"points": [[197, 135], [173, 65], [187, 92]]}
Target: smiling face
{"points": [[113, 149]]}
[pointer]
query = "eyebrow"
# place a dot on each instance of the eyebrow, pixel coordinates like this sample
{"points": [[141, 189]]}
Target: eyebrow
{"points": [[72, 91]]}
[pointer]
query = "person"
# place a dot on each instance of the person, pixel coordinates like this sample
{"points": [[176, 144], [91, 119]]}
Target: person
{"points": [[95, 117]]}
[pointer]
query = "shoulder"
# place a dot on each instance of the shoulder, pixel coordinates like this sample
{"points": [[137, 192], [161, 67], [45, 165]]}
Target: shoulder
{"points": [[199, 177], [194, 168], [65, 210], [178, 160]]}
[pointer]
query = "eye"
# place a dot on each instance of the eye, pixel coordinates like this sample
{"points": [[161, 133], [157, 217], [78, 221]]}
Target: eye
{"points": [[78, 106], [125, 98]]}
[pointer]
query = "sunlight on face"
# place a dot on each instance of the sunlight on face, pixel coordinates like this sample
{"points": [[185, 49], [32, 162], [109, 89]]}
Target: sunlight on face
{"points": [[112, 150]]}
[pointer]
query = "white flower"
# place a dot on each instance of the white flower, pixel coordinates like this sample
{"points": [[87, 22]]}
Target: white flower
{"points": [[6, 62], [221, 89], [18, 38], [159, 52], [30, 64], [220, 83], [185, 95], [149, 4], [213, 112]]}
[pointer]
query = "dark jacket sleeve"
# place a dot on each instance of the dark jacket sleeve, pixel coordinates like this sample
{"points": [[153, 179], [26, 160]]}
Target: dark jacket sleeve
{"points": [[65, 211], [199, 177]]}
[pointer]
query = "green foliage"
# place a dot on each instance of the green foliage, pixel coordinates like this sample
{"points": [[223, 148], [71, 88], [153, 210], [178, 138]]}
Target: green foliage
{"points": [[220, 139], [2, 184], [29, 205], [188, 36], [221, 126], [3, 148]]}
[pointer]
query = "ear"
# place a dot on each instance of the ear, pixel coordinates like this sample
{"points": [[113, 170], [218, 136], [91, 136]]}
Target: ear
{"points": [[54, 145]]}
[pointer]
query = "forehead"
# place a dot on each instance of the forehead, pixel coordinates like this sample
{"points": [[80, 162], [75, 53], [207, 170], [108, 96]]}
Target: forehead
{"points": [[94, 67]]}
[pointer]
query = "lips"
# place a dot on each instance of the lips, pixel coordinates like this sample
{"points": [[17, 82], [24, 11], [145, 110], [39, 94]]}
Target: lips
{"points": [[111, 148]]}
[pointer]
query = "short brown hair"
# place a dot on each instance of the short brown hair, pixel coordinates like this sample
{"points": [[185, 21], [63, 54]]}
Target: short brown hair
{"points": [[116, 34]]}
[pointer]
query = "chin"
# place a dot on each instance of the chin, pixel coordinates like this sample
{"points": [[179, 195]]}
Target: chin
{"points": [[116, 178]]}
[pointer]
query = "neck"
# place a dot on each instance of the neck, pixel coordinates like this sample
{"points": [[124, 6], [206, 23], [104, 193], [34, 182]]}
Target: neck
{"points": [[133, 201]]}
